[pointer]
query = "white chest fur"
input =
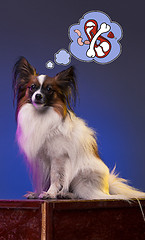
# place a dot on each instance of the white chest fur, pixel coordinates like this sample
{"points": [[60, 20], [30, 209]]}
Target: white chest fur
{"points": [[34, 128], [47, 133]]}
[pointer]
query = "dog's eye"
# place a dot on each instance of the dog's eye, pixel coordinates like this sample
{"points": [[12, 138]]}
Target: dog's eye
{"points": [[49, 89], [32, 87]]}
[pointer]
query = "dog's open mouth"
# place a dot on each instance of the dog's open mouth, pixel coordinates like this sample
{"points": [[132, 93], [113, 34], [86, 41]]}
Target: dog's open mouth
{"points": [[38, 105]]}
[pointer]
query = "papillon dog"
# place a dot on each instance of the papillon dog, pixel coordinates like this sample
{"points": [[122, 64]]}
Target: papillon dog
{"points": [[60, 149]]}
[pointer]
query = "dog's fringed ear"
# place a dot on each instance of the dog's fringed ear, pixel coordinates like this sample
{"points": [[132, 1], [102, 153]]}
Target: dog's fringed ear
{"points": [[21, 73], [67, 83]]}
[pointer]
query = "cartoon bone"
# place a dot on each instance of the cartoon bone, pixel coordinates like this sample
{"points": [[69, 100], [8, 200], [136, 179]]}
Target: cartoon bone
{"points": [[103, 29]]}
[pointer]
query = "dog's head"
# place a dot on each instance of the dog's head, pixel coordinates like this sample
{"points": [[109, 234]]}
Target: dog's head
{"points": [[41, 90]]}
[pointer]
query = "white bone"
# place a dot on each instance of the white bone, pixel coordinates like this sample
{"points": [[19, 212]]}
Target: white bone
{"points": [[103, 29], [105, 46], [90, 24], [88, 30], [99, 51]]}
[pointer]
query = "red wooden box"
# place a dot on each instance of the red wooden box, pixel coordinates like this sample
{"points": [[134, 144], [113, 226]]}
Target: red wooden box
{"points": [[71, 220]]}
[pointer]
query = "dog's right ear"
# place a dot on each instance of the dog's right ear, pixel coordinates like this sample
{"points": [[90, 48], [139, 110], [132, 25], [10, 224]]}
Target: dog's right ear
{"points": [[22, 72]]}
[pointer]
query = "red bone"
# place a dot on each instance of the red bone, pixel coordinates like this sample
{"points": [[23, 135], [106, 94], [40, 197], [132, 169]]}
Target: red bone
{"points": [[100, 38]]}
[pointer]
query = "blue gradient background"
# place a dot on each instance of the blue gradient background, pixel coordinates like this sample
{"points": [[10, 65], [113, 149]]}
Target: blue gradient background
{"points": [[112, 97]]}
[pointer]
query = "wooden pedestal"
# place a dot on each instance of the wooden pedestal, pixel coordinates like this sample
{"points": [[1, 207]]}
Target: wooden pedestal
{"points": [[71, 220]]}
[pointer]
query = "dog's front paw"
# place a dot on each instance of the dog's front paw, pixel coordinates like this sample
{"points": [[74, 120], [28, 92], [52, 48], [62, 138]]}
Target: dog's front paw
{"points": [[47, 195], [31, 195]]}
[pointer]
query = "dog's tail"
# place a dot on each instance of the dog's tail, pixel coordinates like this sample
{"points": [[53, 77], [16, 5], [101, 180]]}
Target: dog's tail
{"points": [[119, 186]]}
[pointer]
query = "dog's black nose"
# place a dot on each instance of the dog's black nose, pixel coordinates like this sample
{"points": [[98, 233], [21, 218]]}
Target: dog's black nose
{"points": [[38, 96]]}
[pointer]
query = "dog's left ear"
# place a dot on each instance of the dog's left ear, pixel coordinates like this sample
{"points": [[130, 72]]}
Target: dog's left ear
{"points": [[66, 81]]}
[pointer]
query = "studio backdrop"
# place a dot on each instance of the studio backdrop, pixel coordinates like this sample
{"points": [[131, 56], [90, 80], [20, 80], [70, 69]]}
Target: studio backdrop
{"points": [[104, 41]]}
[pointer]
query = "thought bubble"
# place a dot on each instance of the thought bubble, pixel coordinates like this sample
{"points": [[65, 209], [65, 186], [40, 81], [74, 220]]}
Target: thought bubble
{"points": [[95, 38], [49, 64], [62, 57]]}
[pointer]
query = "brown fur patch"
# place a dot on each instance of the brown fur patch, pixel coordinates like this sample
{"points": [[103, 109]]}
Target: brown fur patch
{"points": [[25, 94], [58, 104]]}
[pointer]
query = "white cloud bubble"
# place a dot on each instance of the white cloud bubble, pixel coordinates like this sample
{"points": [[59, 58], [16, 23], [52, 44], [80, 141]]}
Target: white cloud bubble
{"points": [[62, 57], [49, 64]]}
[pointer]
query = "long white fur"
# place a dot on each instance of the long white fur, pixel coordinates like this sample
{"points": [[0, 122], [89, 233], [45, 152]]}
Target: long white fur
{"points": [[59, 152]]}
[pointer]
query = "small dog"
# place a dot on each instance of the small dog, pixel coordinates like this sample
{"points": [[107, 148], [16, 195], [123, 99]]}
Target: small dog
{"points": [[60, 149]]}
